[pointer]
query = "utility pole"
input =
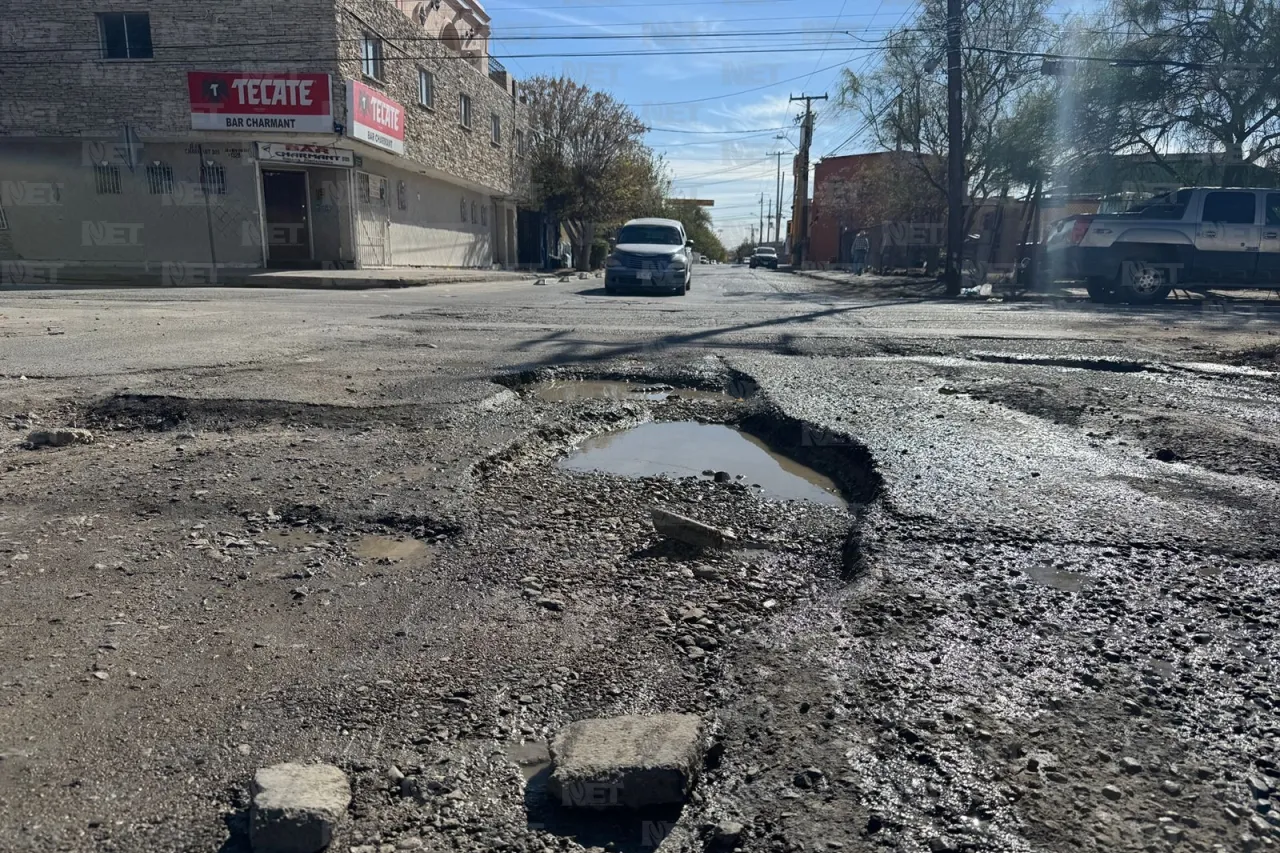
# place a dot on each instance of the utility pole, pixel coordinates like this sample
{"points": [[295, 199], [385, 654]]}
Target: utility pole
{"points": [[769, 222], [753, 235], [762, 234], [777, 230], [800, 205], [955, 150]]}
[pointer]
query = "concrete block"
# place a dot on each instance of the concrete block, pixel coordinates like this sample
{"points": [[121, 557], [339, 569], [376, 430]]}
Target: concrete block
{"points": [[296, 807], [630, 762]]}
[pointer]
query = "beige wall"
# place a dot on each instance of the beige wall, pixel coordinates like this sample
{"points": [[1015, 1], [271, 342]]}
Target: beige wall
{"points": [[430, 230], [55, 213]]}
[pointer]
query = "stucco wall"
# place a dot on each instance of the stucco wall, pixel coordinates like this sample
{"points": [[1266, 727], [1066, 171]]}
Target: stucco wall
{"points": [[54, 211]]}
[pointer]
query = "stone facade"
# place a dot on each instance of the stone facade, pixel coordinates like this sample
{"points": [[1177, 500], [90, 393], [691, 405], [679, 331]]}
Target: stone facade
{"points": [[434, 136], [449, 199]]}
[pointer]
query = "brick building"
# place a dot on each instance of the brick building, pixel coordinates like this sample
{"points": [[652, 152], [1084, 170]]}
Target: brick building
{"points": [[251, 133]]}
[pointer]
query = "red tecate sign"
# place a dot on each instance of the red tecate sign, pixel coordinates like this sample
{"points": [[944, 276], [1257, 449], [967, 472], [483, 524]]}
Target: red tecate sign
{"points": [[375, 118], [269, 101]]}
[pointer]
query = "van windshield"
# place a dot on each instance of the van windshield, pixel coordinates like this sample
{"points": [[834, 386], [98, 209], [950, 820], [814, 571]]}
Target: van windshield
{"points": [[662, 235]]}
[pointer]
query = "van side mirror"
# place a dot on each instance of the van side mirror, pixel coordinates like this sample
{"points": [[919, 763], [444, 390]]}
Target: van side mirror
{"points": [[689, 243]]}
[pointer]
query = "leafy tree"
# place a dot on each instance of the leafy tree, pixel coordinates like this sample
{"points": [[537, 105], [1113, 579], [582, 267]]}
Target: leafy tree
{"points": [[590, 166], [697, 224], [1186, 75]]}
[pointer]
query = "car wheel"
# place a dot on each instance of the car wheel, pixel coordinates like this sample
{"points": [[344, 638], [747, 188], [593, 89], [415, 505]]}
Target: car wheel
{"points": [[1142, 283]]}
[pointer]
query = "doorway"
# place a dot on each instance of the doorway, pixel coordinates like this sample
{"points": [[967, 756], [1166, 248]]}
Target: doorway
{"points": [[373, 217], [288, 226]]}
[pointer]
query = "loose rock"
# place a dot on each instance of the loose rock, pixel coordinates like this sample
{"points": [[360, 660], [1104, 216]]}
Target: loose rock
{"points": [[632, 761], [689, 531], [296, 807], [61, 437]]}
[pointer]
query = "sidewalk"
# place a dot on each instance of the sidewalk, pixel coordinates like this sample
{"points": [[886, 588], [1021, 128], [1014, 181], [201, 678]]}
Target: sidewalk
{"points": [[21, 275]]}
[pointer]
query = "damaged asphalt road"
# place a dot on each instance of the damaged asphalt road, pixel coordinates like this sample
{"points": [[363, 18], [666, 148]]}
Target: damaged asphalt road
{"points": [[333, 527]]}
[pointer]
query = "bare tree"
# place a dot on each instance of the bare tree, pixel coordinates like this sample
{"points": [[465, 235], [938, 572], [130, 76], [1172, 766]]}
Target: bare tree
{"points": [[904, 103]]}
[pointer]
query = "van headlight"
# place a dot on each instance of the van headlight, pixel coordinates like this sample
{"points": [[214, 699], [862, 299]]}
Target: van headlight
{"points": [[678, 262], [612, 262]]}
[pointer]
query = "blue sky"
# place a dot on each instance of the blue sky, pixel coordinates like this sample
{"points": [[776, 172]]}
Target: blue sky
{"points": [[731, 88]]}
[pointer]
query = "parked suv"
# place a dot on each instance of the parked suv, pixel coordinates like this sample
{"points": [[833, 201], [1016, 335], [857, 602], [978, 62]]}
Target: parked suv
{"points": [[651, 254], [1224, 236], [764, 256]]}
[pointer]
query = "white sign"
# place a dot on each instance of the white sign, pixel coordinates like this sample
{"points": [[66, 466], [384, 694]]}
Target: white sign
{"points": [[306, 155], [374, 118]]}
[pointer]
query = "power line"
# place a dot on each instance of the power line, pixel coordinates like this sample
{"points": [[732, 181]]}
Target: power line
{"points": [[186, 61], [744, 130], [734, 94]]}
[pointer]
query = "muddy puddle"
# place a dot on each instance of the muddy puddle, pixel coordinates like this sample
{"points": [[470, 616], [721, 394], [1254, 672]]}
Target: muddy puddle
{"points": [[1055, 578], [569, 390], [686, 448], [532, 758], [387, 548]]}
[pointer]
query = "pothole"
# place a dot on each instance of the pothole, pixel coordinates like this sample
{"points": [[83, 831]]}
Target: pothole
{"points": [[388, 548], [691, 449], [1104, 365], [570, 390], [1055, 578]]}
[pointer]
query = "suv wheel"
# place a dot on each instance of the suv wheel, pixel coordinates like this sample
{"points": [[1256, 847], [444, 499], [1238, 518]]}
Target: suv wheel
{"points": [[1142, 283]]}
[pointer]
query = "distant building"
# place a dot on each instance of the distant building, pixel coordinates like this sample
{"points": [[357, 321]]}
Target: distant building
{"points": [[194, 137]]}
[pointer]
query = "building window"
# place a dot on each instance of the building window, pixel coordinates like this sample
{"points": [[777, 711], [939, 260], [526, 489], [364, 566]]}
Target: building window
{"points": [[464, 111], [371, 56], [520, 142], [213, 179], [426, 89], [125, 35], [106, 180], [496, 124], [484, 214], [473, 213], [464, 209], [160, 179], [402, 195]]}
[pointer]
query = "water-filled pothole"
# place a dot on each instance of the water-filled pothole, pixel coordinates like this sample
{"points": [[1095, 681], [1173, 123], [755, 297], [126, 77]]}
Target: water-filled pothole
{"points": [[569, 390], [687, 448]]}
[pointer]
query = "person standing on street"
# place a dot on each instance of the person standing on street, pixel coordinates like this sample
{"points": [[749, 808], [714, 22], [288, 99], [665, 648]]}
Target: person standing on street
{"points": [[861, 248]]}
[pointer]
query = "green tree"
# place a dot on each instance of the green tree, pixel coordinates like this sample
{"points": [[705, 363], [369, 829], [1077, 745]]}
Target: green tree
{"points": [[590, 166], [698, 225]]}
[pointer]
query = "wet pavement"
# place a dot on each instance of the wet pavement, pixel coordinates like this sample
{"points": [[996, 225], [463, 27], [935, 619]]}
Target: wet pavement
{"points": [[334, 526]]}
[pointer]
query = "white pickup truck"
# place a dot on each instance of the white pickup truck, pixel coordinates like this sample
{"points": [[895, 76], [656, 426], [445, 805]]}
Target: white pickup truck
{"points": [[1228, 237]]}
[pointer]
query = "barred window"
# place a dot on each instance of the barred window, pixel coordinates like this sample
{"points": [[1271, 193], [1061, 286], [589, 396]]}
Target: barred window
{"points": [[496, 129], [106, 180], [213, 179], [160, 179], [464, 110]]}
